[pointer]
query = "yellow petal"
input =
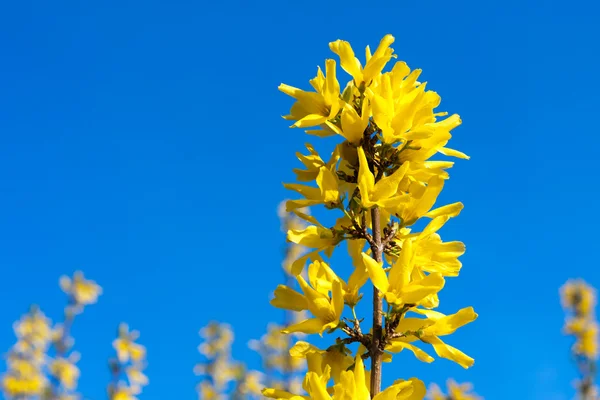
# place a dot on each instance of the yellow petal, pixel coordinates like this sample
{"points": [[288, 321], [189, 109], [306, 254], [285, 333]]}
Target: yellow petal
{"points": [[398, 346], [298, 265], [328, 185], [402, 269], [337, 299], [366, 180], [388, 185], [310, 120], [318, 389], [451, 210], [418, 391], [449, 324], [451, 353], [376, 273], [289, 299], [379, 59], [416, 291], [348, 61], [453, 153], [309, 326]]}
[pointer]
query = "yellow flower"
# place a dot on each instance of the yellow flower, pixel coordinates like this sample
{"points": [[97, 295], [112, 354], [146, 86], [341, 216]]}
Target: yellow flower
{"points": [[65, 371], [314, 236], [353, 124], [252, 383], [432, 255], [313, 164], [315, 108], [577, 294], [588, 341], [374, 65], [126, 347], [403, 286], [137, 379], [326, 310], [434, 139], [23, 386], [83, 291], [319, 360], [429, 330], [359, 275], [383, 193], [123, 394], [327, 192], [34, 327]]}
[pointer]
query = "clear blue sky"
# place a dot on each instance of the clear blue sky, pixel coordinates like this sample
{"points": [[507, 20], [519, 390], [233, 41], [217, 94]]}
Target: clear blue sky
{"points": [[142, 142]]}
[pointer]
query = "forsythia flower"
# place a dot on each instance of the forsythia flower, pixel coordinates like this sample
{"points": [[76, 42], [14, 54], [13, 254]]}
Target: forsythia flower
{"points": [[123, 394], [82, 291], [63, 372], [403, 286], [383, 193], [126, 347], [326, 193], [335, 358], [374, 65], [315, 108], [326, 308], [66, 371], [579, 300], [25, 375], [429, 330], [127, 368]]}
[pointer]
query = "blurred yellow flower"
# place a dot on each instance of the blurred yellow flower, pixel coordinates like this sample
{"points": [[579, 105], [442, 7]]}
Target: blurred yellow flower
{"points": [[126, 347], [81, 290]]}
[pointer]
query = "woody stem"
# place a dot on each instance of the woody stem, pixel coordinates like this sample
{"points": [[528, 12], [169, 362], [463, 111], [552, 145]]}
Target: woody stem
{"points": [[375, 350]]}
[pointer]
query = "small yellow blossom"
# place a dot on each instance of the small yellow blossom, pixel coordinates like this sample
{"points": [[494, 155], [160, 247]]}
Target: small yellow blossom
{"points": [[374, 65], [65, 371], [315, 108], [126, 347], [429, 331], [383, 193], [83, 291], [326, 309]]}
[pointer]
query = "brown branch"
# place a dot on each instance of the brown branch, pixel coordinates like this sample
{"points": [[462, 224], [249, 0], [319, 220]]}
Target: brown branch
{"points": [[354, 335], [375, 350], [391, 232]]}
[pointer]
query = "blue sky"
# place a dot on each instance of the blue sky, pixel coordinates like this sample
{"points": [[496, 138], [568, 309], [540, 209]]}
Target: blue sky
{"points": [[142, 143]]}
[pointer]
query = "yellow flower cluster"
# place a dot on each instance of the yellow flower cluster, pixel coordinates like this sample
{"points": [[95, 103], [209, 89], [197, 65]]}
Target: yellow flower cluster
{"points": [[579, 301], [382, 180], [219, 371], [463, 391], [128, 378], [42, 363], [25, 376], [63, 372], [81, 292]]}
